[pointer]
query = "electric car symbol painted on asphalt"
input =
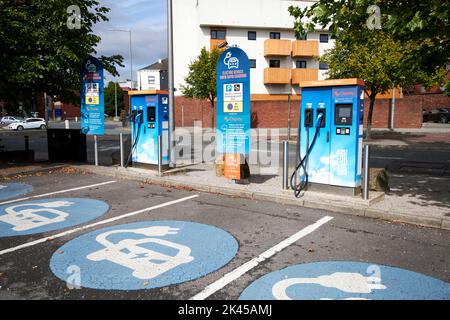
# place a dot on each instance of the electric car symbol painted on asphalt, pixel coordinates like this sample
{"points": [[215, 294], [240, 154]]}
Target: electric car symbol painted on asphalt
{"points": [[145, 263], [29, 217], [11, 190], [345, 281], [145, 255]]}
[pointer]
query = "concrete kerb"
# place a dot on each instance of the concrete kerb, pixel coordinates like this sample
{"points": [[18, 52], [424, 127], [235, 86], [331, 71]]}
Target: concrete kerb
{"points": [[22, 170], [340, 208]]}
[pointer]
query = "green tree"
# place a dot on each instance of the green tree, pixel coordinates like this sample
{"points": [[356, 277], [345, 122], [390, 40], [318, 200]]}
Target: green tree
{"points": [[40, 53], [109, 95], [201, 79]]}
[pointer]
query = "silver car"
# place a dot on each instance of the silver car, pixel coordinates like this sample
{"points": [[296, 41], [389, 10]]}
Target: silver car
{"points": [[9, 119]]}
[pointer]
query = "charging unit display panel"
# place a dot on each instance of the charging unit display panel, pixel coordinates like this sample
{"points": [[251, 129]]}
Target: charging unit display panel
{"points": [[163, 130], [345, 136], [315, 101]]}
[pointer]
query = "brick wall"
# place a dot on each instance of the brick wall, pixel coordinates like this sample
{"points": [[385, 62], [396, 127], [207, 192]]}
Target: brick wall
{"points": [[273, 114]]}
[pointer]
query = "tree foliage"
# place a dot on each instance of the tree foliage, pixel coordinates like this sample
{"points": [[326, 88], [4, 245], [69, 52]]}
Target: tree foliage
{"points": [[201, 79], [39, 53], [110, 102]]}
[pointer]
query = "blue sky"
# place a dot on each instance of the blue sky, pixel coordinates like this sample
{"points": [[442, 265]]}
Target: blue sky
{"points": [[147, 20]]}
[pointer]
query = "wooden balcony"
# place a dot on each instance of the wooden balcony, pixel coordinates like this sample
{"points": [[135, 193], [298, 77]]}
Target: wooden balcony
{"points": [[214, 43], [305, 48], [276, 47], [298, 75], [277, 76]]}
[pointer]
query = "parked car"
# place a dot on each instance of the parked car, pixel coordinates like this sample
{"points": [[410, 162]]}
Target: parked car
{"points": [[29, 123], [4, 121], [441, 115]]}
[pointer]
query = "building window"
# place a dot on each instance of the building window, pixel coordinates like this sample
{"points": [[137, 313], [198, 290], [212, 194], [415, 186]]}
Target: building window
{"points": [[274, 63], [252, 63], [300, 64], [218, 34], [251, 35], [324, 38], [323, 66], [275, 35], [151, 79]]}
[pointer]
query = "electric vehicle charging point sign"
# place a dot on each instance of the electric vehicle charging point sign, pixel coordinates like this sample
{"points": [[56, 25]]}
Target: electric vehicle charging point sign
{"points": [[12, 190], [344, 280], [92, 98], [37, 216], [145, 255]]}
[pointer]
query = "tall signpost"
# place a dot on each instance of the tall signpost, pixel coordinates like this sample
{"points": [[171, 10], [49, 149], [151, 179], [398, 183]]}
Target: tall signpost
{"points": [[233, 112], [92, 100]]}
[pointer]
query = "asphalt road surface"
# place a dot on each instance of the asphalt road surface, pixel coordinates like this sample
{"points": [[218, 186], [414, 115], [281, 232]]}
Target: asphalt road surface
{"points": [[32, 266]]}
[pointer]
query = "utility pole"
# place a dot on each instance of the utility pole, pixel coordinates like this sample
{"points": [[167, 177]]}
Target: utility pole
{"points": [[171, 84]]}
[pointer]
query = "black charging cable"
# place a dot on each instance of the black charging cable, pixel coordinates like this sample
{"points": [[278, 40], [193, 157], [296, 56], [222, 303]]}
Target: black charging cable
{"points": [[303, 185], [135, 140]]}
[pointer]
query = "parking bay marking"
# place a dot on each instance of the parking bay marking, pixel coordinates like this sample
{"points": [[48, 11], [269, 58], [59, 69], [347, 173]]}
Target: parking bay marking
{"points": [[241, 270], [62, 234], [57, 192]]}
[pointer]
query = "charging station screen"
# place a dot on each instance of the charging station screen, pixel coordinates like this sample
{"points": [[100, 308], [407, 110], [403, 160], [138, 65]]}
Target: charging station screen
{"points": [[151, 114], [343, 114]]}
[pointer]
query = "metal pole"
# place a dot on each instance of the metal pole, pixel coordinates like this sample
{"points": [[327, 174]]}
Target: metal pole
{"points": [[393, 107], [171, 84], [285, 164], [121, 149], [27, 143], [159, 155], [366, 173], [289, 116], [115, 96], [131, 62], [95, 150]]}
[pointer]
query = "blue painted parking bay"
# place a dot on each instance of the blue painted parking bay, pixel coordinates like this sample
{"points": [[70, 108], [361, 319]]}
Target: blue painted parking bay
{"points": [[144, 255], [345, 280], [12, 190], [37, 216]]}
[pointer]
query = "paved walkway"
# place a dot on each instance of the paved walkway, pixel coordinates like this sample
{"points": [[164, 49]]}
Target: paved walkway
{"points": [[414, 199]]}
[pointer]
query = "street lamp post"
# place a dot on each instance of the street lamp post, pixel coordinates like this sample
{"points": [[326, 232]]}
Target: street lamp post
{"points": [[171, 85]]}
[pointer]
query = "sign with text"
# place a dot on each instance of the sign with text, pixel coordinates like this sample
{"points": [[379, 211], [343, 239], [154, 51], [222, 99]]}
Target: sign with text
{"points": [[233, 103], [92, 104]]}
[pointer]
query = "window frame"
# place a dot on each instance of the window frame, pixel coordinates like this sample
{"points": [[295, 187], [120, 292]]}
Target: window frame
{"points": [[273, 33], [325, 35], [300, 61], [250, 63], [323, 66], [275, 60], [251, 32]]}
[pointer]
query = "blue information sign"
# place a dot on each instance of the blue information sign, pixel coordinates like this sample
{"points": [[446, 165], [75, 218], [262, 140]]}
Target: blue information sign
{"points": [[92, 101], [11, 190], [233, 102], [144, 255], [346, 280]]}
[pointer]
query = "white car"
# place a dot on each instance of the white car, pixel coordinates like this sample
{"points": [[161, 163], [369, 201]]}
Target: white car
{"points": [[9, 119], [29, 123]]}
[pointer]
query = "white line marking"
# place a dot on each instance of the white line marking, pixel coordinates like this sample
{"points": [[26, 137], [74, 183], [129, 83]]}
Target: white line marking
{"points": [[241, 270], [56, 192], [62, 234]]}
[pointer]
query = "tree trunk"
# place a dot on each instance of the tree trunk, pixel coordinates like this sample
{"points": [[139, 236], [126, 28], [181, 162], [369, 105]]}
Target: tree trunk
{"points": [[212, 114], [369, 115]]}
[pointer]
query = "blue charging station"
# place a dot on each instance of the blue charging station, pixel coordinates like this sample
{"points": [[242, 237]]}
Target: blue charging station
{"points": [[149, 118], [330, 139]]}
